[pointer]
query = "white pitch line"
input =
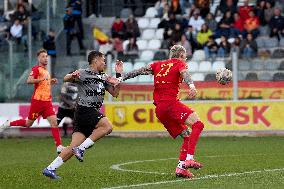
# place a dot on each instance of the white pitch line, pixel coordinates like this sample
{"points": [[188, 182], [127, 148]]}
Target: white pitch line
{"points": [[200, 178], [118, 166]]}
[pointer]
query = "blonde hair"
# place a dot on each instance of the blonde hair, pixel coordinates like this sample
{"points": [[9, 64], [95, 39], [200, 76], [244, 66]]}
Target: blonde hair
{"points": [[176, 51]]}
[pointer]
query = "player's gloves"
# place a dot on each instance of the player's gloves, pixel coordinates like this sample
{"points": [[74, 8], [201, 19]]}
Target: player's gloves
{"points": [[224, 76]]}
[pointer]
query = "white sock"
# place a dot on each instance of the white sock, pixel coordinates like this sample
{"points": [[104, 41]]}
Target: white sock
{"points": [[189, 157], [180, 164], [56, 163], [86, 144]]}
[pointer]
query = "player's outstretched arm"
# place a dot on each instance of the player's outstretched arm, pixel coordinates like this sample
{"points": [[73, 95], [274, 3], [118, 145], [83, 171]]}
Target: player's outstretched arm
{"points": [[147, 70], [188, 80], [71, 77]]}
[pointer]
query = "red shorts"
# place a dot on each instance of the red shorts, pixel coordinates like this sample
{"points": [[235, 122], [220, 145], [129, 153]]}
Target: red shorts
{"points": [[173, 115], [40, 108]]}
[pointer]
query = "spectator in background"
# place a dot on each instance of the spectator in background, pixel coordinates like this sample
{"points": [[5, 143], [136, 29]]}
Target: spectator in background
{"points": [[229, 5], [164, 12], [175, 7], [16, 31], [276, 24], [224, 47], [238, 25], [118, 47], [260, 12], [77, 14], [131, 27], [131, 51], [203, 6], [50, 47], [70, 31], [184, 42], [268, 12], [210, 48], [118, 28], [203, 35], [211, 22], [160, 4], [21, 13], [176, 34], [191, 37], [2, 16], [249, 47], [245, 9], [196, 21], [224, 26], [251, 24], [236, 45]]}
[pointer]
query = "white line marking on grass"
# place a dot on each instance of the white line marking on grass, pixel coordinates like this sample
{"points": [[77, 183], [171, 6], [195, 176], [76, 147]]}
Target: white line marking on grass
{"points": [[200, 178], [118, 166]]}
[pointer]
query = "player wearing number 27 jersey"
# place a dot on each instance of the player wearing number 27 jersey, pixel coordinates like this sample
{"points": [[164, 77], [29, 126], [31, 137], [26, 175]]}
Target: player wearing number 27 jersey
{"points": [[173, 114]]}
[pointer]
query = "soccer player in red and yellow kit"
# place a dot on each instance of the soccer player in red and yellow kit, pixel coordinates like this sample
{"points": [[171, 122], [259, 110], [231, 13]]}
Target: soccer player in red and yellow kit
{"points": [[173, 114], [41, 101]]}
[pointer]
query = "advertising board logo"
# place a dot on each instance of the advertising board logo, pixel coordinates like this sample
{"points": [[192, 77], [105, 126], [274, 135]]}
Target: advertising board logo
{"points": [[119, 116]]}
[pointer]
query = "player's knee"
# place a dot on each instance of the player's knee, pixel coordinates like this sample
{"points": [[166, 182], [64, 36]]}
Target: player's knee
{"points": [[192, 118], [199, 125], [108, 128]]}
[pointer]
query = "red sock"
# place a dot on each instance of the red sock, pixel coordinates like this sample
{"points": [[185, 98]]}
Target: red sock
{"points": [[56, 136], [20, 123], [183, 149], [197, 128]]}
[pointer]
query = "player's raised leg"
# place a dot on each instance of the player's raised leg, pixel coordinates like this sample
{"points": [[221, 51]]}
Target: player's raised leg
{"points": [[103, 128], [66, 154], [197, 126]]}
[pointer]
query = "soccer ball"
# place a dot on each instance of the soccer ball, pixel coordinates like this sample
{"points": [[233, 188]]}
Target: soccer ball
{"points": [[224, 76]]}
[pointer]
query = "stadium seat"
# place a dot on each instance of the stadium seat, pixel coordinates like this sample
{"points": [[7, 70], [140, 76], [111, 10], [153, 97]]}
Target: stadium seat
{"points": [[260, 42], [198, 55], [231, 40], [193, 66], [125, 43], [241, 76], [281, 67], [271, 42], [143, 23], [198, 77], [125, 13], [151, 12], [257, 65], [278, 53], [251, 76], [218, 40], [205, 66], [281, 42], [278, 77], [144, 78], [138, 65], [217, 65], [263, 31], [160, 55], [139, 12], [244, 65], [142, 44], [147, 55], [127, 67], [271, 65], [160, 33], [148, 34], [265, 76], [154, 23], [154, 44], [210, 77]]}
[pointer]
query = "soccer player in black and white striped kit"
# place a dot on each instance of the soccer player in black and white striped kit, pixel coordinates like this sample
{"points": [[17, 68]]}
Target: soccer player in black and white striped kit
{"points": [[89, 123]]}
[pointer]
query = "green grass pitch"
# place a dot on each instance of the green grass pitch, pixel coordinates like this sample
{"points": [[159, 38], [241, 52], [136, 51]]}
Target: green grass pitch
{"points": [[230, 162]]}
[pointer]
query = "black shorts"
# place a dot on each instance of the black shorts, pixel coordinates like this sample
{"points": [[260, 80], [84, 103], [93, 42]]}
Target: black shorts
{"points": [[86, 120], [62, 112]]}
